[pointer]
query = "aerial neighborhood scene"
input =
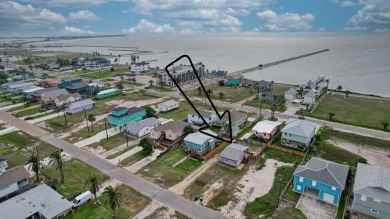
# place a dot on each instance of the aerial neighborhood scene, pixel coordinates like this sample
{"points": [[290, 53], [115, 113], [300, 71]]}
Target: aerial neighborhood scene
{"points": [[194, 109]]}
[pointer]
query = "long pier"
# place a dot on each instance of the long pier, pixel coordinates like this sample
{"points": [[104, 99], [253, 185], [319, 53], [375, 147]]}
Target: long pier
{"points": [[276, 63]]}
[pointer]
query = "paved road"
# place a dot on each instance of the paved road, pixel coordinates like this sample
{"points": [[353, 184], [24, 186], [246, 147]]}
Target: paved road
{"points": [[138, 183]]}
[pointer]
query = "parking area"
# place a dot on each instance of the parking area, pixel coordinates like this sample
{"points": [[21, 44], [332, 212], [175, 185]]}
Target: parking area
{"points": [[313, 208]]}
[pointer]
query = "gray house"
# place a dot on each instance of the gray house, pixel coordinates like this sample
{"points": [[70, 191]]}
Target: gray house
{"points": [[298, 133], [168, 106], [142, 128], [233, 155], [372, 191], [80, 106], [13, 180]]}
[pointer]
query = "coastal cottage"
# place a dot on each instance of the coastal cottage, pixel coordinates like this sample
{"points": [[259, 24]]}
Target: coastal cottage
{"points": [[233, 155], [298, 133], [266, 129], [67, 82], [234, 80], [49, 96], [142, 128], [107, 93], [79, 87], [13, 180], [122, 115], [171, 130], [321, 178], [14, 87], [65, 99], [310, 98], [262, 86], [97, 63], [80, 106], [29, 92], [93, 88], [140, 66], [194, 118], [39, 202], [371, 191], [237, 118], [199, 143], [290, 95], [168, 106]]}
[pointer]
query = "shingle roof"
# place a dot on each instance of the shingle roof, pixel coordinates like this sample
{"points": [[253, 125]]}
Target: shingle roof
{"points": [[133, 110], [119, 109], [80, 103], [310, 94], [324, 171], [300, 127], [64, 97], [233, 151], [204, 113], [135, 127], [234, 115], [54, 93], [13, 175], [78, 85], [173, 126], [168, 103], [39, 92], [265, 126], [373, 182], [291, 91], [198, 137], [2, 158]]}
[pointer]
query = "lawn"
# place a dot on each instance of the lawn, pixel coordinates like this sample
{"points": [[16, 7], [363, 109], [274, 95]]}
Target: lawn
{"points": [[280, 89], [132, 159], [172, 157], [267, 204], [76, 173], [192, 165], [133, 203], [230, 94], [160, 212], [288, 212], [21, 107], [112, 156], [84, 133], [129, 83], [360, 111], [101, 73], [159, 88], [270, 153], [27, 112], [161, 174], [112, 142], [256, 104]]}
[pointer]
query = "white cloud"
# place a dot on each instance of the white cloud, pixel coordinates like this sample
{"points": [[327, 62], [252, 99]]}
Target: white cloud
{"points": [[286, 21], [14, 15], [186, 31], [75, 30], [239, 11], [357, 28], [75, 3], [144, 26], [375, 13], [224, 21], [82, 16], [322, 29], [384, 30], [346, 3]]}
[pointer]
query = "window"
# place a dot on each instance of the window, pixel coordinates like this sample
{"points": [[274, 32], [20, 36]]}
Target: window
{"points": [[377, 200], [313, 183], [192, 115], [375, 211], [300, 179], [333, 188], [299, 187], [363, 198], [290, 135]]}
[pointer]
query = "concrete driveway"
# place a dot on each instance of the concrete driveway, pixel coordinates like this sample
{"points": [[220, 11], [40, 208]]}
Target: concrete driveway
{"points": [[314, 209]]}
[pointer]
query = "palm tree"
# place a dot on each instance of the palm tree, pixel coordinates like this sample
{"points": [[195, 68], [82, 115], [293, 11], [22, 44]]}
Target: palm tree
{"points": [[300, 92], [339, 88], [327, 83], [272, 86], [91, 118], [178, 80], [114, 198], [209, 91], [120, 86], [151, 82], [56, 159], [160, 81], [385, 124], [35, 164], [307, 105], [221, 95], [199, 91], [282, 100], [122, 78], [347, 92], [273, 109], [94, 183]]}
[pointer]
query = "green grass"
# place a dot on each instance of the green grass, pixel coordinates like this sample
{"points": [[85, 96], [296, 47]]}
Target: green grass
{"points": [[159, 88], [340, 209], [112, 156], [280, 89], [267, 204], [231, 94], [27, 112], [132, 159], [15, 141], [76, 173], [102, 73], [270, 153], [256, 104], [133, 203], [129, 83], [172, 157], [161, 174], [288, 212], [20, 107], [107, 80], [181, 113], [84, 133], [56, 125], [359, 111], [333, 153], [192, 165], [247, 129], [215, 129], [112, 142]]}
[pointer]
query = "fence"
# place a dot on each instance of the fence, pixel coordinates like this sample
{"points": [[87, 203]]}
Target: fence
{"points": [[216, 150], [297, 153], [254, 143]]}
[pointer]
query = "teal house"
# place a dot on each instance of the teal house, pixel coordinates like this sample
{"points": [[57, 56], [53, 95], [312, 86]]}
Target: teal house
{"points": [[121, 115], [199, 143], [107, 93], [235, 80], [322, 179]]}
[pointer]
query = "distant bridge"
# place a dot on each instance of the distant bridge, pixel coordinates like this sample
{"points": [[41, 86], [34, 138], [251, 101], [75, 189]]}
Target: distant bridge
{"points": [[276, 63]]}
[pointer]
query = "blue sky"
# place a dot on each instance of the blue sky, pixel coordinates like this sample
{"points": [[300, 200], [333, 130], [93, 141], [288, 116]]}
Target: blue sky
{"points": [[78, 17]]}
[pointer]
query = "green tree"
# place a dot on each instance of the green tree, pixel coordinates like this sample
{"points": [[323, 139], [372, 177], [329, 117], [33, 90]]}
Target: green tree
{"points": [[147, 145], [199, 91], [307, 105], [160, 81], [384, 124], [56, 159], [35, 164], [151, 82], [150, 112], [91, 118], [331, 115], [221, 83], [120, 86], [188, 129], [114, 198], [221, 95], [347, 92], [282, 100], [45, 75], [94, 185], [210, 92], [339, 88], [274, 107]]}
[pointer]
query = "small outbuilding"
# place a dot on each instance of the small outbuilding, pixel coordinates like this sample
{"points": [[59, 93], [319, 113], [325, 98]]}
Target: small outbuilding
{"points": [[233, 155]]}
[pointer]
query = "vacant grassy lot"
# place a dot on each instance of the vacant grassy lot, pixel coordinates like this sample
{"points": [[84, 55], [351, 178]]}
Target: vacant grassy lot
{"points": [[101, 73], [288, 212], [112, 156], [76, 173], [133, 203], [159, 88], [132, 159], [192, 165], [84, 133], [230, 94], [172, 157], [160, 212], [280, 89], [181, 113], [360, 111], [270, 153], [162, 174], [27, 112], [112, 142]]}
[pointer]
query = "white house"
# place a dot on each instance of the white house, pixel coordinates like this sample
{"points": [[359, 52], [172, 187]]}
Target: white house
{"points": [[310, 98], [13, 180], [66, 99], [3, 164], [140, 66], [142, 128], [168, 106], [290, 95], [194, 118], [170, 130]]}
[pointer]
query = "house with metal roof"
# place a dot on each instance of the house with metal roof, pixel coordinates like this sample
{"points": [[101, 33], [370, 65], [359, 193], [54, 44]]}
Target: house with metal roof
{"points": [[93, 88], [142, 128], [234, 80], [170, 130], [80, 106], [237, 118], [168, 106], [233, 155], [122, 115], [39, 202], [67, 82], [298, 133], [371, 191], [107, 93], [14, 87], [266, 129], [321, 178], [13, 180], [200, 143], [290, 95], [310, 98], [194, 118], [79, 87]]}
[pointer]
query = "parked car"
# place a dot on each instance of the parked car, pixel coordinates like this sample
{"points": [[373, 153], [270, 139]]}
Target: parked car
{"points": [[29, 118], [82, 199]]}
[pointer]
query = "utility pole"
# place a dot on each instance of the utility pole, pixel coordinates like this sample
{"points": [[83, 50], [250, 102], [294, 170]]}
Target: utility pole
{"points": [[127, 138], [105, 124], [66, 122], [188, 153], [86, 119]]}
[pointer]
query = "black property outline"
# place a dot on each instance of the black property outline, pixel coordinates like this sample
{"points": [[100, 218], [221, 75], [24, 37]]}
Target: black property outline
{"points": [[230, 137]]}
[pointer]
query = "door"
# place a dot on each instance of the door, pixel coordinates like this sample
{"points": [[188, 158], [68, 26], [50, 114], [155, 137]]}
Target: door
{"points": [[328, 198]]}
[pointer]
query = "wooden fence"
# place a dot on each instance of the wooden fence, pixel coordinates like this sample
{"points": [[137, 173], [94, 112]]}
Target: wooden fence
{"points": [[216, 150], [297, 153]]}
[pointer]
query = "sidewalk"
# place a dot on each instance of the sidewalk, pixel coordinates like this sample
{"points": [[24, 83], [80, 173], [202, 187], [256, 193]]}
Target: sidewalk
{"points": [[96, 138], [5, 108], [137, 166], [116, 160], [119, 148]]}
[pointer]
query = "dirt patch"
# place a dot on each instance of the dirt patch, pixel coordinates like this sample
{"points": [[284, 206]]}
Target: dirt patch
{"points": [[254, 184], [156, 210], [211, 191], [374, 156], [44, 125], [96, 151]]}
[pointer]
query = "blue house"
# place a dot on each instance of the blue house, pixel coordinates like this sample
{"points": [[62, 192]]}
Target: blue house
{"points": [[79, 87], [199, 143], [66, 82], [234, 80], [221, 73], [121, 115], [321, 178]]}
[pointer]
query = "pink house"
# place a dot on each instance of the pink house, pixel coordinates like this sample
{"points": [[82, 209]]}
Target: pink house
{"points": [[266, 129]]}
